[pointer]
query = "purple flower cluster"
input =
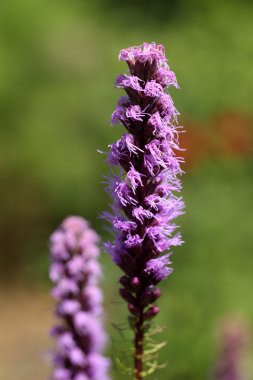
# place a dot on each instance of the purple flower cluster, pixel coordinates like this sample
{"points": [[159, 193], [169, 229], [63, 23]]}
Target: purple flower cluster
{"points": [[144, 192], [75, 272], [230, 364]]}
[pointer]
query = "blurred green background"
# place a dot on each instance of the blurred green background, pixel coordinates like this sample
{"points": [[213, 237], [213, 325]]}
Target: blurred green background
{"points": [[57, 69]]}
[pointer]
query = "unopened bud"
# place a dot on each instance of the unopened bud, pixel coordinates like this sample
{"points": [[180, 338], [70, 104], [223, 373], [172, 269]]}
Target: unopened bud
{"points": [[127, 296], [125, 281], [150, 296], [151, 312], [133, 309], [130, 284]]}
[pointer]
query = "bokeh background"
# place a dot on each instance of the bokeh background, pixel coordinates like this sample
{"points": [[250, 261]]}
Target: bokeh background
{"points": [[57, 68]]}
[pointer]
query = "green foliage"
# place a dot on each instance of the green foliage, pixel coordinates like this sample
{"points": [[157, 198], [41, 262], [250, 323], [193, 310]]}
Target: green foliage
{"points": [[123, 348]]}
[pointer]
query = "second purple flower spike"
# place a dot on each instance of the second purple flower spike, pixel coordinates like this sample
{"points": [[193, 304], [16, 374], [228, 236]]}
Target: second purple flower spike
{"points": [[75, 272], [145, 203]]}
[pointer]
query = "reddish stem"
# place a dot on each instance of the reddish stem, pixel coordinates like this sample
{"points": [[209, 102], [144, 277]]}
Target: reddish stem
{"points": [[139, 349]]}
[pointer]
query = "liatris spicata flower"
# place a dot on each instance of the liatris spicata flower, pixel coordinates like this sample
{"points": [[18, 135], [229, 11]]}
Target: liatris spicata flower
{"points": [[75, 271], [233, 341], [144, 191]]}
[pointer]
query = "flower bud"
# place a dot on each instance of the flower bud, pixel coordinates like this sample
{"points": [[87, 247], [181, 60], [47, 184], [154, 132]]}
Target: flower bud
{"points": [[127, 296], [133, 310], [151, 312], [150, 296]]}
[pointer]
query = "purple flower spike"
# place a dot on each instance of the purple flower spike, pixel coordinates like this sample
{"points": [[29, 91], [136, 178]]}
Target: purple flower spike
{"points": [[233, 346], [75, 272], [145, 203]]}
